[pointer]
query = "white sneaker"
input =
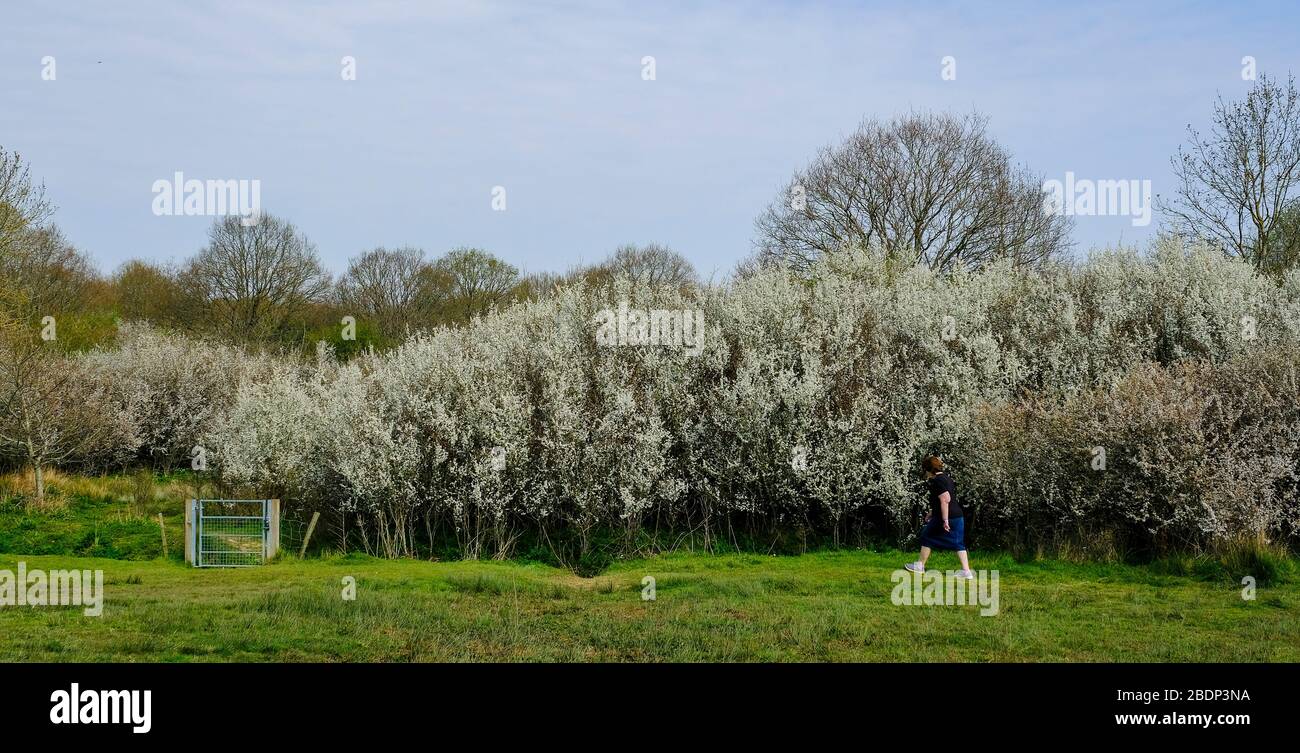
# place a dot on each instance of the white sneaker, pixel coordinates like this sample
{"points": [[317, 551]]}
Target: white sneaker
{"points": [[915, 567], [964, 574]]}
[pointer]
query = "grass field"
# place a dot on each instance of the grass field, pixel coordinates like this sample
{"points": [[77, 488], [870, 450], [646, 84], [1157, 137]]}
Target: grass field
{"points": [[821, 606], [829, 606]]}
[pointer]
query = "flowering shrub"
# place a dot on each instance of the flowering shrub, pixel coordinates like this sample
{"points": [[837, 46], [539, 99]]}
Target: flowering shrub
{"points": [[1172, 457], [806, 406], [169, 388]]}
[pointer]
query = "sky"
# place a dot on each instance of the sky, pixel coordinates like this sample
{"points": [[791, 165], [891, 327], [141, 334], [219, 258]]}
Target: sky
{"points": [[551, 102]]}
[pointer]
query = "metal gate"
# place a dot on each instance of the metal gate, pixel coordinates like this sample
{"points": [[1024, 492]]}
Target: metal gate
{"points": [[232, 532]]}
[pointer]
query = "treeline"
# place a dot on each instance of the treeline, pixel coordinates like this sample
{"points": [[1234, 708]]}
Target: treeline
{"points": [[1132, 403], [264, 285], [922, 189]]}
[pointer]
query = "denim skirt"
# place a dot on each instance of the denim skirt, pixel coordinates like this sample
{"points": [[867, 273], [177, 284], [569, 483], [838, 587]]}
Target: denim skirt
{"points": [[933, 535]]}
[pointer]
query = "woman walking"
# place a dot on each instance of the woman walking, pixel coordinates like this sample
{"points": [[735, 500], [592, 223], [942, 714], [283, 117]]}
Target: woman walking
{"points": [[945, 525]]}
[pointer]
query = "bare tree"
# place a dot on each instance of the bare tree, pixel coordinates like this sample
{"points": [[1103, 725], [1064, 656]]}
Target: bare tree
{"points": [[23, 206], [53, 275], [1235, 183], [539, 285], [652, 264], [396, 288], [252, 278], [932, 189], [478, 280]]}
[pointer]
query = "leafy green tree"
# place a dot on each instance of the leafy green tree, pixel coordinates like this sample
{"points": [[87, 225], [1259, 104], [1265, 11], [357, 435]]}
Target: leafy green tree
{"points": [[1284, 242], [477, 282], [142, 291]]}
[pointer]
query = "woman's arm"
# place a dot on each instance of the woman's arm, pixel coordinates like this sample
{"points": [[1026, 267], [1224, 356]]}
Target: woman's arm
{"points": [[944, 499]]}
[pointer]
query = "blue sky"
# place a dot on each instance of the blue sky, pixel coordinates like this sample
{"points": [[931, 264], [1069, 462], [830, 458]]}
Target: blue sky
{"points": [[547, 100]]}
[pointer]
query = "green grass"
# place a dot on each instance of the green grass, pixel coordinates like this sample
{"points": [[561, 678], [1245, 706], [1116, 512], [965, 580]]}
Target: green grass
{"points": [[827, 606], [109, 516], [823, 606]]}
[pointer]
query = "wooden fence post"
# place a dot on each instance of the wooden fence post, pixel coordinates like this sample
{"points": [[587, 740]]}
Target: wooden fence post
{"points": [[273, 537], [163, 528], [310, 527]]}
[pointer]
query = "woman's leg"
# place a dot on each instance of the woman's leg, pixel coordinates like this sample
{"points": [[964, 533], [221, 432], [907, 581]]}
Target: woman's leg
{"points": [[925, 555], [961, 555]]}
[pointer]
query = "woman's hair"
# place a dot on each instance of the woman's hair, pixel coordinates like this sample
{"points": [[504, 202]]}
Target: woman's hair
{"points": [[932, 463]]}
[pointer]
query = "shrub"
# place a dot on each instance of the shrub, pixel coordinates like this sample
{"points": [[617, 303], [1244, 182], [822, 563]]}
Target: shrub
{"points": [[807, 408], [1171, 458], [801, 414], [170, 388]]}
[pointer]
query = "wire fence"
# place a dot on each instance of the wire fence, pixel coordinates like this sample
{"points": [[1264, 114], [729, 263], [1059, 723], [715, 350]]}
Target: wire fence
{"points": [[293, 530]]}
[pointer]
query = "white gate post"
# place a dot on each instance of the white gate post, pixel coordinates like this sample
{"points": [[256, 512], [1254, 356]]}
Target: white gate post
{"points": [[189, 531], [273, 536]]}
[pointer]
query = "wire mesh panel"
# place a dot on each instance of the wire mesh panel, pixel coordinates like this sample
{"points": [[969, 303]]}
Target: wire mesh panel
{"points": [[232, 533]]}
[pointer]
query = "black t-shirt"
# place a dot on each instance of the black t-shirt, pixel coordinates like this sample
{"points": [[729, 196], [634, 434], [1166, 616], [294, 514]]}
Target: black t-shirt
{"points": [[938, 485]]}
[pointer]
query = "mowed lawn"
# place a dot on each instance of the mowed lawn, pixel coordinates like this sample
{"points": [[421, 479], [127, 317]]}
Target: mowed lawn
{"points": [[829, 606]]}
